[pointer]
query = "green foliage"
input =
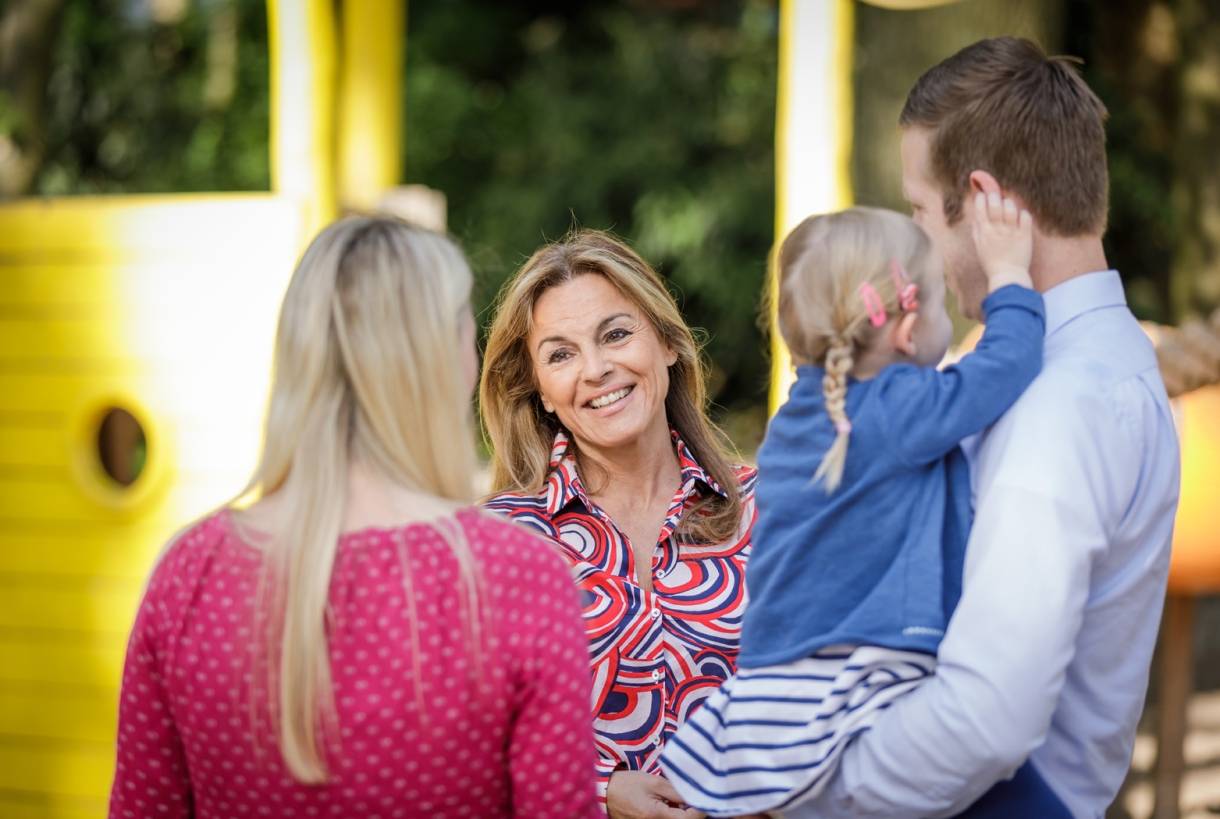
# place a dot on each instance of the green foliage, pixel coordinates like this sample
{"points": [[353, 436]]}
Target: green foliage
{"points": [[139, 106], [1140, 133], [653, 121]]}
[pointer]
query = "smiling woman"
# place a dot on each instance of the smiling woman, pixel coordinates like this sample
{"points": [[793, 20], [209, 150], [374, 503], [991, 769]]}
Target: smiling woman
{"points": [[601, 368], [594, 399]]}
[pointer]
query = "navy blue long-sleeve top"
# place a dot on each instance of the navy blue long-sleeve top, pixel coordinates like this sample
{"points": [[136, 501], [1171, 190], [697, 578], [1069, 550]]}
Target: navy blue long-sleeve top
{"points": [[879, 561]]}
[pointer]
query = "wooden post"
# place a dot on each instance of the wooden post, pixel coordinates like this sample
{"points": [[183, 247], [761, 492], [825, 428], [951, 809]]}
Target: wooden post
{"points": [[1175, 671]]}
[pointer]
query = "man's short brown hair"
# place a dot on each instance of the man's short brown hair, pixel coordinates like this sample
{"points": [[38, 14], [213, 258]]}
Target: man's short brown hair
{"points": [[1003, 106]]}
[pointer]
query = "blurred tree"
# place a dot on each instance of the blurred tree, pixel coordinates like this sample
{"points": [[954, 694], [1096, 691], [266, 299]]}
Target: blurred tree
{"points": [[652, 120], [27, 29], [893, 48], [110, 96], [1196, 189], [1130, 50]]}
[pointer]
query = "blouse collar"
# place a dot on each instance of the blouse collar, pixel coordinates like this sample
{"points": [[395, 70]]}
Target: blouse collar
{"points": [[563, 484]]}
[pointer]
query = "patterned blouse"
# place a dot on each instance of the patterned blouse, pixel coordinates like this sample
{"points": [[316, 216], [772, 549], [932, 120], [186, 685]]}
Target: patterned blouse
{"points": [[656, 655]]}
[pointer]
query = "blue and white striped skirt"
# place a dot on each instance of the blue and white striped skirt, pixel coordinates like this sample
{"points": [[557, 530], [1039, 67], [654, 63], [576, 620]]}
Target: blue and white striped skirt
{"points": [[769, 737]]}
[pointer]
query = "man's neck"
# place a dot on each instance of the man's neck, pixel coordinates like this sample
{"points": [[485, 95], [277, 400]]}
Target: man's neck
{"points": [[1058, 258]]}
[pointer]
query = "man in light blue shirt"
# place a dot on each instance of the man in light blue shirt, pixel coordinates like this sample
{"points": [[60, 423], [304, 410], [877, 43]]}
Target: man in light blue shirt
{"points": [[1046, 657]]}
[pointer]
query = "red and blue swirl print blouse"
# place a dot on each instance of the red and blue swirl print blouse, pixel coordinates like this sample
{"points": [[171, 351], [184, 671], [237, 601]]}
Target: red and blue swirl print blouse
{"points": [[656, 655]]}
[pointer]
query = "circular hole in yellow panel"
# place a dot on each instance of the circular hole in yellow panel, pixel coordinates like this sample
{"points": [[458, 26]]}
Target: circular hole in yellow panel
{"points": [[122, 446]]}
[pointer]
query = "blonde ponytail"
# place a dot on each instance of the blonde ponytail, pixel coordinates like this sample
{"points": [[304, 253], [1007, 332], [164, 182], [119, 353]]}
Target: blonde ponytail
{"points": [[834, 390]]}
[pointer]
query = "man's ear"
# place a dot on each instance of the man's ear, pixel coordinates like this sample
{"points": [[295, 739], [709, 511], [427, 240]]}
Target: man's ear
{"points": [[983, 182], [902, 335]]}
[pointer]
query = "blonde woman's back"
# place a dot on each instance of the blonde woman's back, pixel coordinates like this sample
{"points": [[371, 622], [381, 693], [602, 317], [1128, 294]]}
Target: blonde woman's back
{"points": [[420, 733], [356, 643]]}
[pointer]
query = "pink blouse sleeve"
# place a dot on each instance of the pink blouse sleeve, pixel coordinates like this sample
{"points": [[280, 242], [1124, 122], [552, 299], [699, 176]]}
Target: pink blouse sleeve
{"points": [[150, 776], [551, 754]]}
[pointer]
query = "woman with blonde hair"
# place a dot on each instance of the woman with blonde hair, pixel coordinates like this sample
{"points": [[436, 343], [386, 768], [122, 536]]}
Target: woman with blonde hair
{"points": [[359, 641], [593, 396]]}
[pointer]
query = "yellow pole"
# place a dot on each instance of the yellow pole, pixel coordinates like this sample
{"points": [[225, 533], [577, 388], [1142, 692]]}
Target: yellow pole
{"points": [[812, 134], [369, 124], [302, 45]]}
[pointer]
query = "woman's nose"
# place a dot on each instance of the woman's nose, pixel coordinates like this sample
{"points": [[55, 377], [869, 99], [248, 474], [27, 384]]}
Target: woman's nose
{"points": [[596, 366]]}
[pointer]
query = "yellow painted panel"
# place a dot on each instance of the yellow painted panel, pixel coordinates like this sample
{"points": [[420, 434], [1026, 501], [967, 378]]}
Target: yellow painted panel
{"points": [[61, 662], [197, 395], [28, 610], [31, 396], [15, 804], [105, 553], [45, 289], [54, 506], [33, 446], [88, 337], [70, 770], [85, 714], [106, 229], [51, 501]]}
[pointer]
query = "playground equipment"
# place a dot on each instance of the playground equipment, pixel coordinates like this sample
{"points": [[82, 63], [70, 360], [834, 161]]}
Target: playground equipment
{"points": [[135, 342]]}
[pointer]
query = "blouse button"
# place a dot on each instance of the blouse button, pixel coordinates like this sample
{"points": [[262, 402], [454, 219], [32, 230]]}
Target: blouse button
{"points": [[656, 674], [656, 613]]}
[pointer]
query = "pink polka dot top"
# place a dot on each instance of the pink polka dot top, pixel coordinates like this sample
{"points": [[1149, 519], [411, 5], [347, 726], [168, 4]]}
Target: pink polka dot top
{"points": [[423, 729]]}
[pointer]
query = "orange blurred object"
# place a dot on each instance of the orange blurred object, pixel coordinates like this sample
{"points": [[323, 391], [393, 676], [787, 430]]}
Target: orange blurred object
{"points": [[1195, 565]]}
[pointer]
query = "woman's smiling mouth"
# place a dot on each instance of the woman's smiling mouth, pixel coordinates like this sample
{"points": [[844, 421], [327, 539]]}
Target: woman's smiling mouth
{"points": [[610, 398]]}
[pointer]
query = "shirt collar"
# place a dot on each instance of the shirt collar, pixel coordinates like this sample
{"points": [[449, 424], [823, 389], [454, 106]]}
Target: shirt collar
{"points": [[563, 484], [1082, 294]]}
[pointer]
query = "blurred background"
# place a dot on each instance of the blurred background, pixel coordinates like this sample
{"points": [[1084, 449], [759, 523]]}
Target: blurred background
{"points": [[163, 161]]}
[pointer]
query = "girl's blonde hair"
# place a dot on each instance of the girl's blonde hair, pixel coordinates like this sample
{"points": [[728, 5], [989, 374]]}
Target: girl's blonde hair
{"points": [[824, 320], [368, 368], [522, 433]]}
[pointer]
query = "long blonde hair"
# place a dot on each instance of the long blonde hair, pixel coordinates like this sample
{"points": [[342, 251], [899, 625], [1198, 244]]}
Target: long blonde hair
{"points": [[521, 432], [368, 368], [823, 319]]}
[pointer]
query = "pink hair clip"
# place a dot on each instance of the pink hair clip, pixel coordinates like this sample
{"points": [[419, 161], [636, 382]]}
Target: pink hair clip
{"points": [[908, 291], [873, 304]]}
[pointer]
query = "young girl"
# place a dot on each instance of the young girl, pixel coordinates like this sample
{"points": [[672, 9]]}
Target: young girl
{"points": [[863, 497]]}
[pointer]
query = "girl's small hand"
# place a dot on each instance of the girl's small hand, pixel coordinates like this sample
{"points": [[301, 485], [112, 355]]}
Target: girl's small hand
{"points": [[1003, 237]]}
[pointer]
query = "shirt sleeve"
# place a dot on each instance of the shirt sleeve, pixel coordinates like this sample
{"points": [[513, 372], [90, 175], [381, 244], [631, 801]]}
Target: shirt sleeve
{"points": [[151, 777], [1043, 518], [551, 752], [930, 411]]}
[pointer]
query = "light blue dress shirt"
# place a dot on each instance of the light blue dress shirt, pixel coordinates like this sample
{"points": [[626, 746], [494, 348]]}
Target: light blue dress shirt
{"points": [[1047, 654]]}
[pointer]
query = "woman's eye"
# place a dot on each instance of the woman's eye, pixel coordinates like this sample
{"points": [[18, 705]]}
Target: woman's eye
{"points": [[617, 335], [557, 356]]}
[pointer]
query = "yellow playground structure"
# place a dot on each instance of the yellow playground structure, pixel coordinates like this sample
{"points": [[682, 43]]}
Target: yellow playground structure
{"points": [[135, 337], [135, 343]]}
